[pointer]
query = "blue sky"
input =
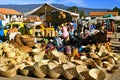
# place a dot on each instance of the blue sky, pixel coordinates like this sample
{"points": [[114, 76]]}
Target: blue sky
{"points": [[81, 3]]}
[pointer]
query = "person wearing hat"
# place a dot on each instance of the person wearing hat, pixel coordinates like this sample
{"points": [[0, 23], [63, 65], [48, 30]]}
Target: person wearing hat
{"points": [[65, 34]]}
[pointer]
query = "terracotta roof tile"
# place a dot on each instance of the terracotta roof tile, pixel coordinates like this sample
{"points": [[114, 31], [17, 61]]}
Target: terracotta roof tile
{"points": [[9, 11], [103, 13]]}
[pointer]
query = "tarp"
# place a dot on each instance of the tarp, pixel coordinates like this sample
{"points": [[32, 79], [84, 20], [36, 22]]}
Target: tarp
{"points": [[1, 29], [108, 16], [48, 8]]}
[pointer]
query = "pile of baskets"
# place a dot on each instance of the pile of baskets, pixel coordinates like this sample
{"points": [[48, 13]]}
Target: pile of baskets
{"points": [[56, 64], [24, 42]]}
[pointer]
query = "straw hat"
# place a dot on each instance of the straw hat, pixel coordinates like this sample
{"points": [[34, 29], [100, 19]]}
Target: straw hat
{"points": [[97, 74]]}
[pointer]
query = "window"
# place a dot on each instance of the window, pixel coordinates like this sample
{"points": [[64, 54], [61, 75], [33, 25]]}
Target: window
{"points": [[6, 16]]}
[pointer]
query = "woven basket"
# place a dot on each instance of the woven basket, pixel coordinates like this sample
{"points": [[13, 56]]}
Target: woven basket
{"points": [[30, 43], [40, 69], [26, 49], [10, 54], [10, 72], [27, 70], [81, 69], [109, 59], [54, 70], [18, 40], [1, 52], [69, 71], [27, 38], [97, 74]]}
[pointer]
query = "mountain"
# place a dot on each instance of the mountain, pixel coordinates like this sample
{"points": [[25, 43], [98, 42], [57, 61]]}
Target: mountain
{"points": [[28, 7]]}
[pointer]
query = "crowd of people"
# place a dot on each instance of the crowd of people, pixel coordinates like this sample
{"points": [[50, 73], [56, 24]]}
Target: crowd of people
{"points": [[70, 33], [77, 35]]}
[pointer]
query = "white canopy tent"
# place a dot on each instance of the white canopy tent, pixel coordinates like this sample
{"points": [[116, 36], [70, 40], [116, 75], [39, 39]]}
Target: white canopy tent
{"points": [[48, 8]]}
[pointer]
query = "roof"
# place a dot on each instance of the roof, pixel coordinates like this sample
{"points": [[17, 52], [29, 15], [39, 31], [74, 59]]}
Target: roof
{"points": [[103, 13], [9, 11], [48, 8]]}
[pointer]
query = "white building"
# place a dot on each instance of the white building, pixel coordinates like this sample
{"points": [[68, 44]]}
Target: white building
{"points": [[7, 15]]}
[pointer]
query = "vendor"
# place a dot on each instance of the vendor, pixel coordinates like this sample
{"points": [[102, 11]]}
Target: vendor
{"points": [[65, 34]]}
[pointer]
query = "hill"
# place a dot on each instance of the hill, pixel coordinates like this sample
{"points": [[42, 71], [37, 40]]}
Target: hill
{"points": [[29, 7]]}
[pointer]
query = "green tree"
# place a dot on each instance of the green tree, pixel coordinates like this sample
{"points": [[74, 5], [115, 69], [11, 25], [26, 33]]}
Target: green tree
{"points": [[82, 13], [116, 9], [73, 9], [76, 10]]}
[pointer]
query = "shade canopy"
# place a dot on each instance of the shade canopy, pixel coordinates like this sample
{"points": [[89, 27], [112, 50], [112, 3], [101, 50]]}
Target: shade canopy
{"points": [[47, 8], [108, 16]]}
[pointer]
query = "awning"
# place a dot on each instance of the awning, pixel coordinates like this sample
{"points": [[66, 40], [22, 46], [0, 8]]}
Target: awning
{"points": [[48, 8], [108, 16]]}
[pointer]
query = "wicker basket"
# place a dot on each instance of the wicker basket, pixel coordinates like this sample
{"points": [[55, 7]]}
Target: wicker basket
{"points": [[18, 40], [27, 38], [36, 51], [40, 69], [81, 69], [30, 43], [10, 54], [69, 71], [27, 70], [54, 70], [26, 49], [10, 72], [97, 74]]}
